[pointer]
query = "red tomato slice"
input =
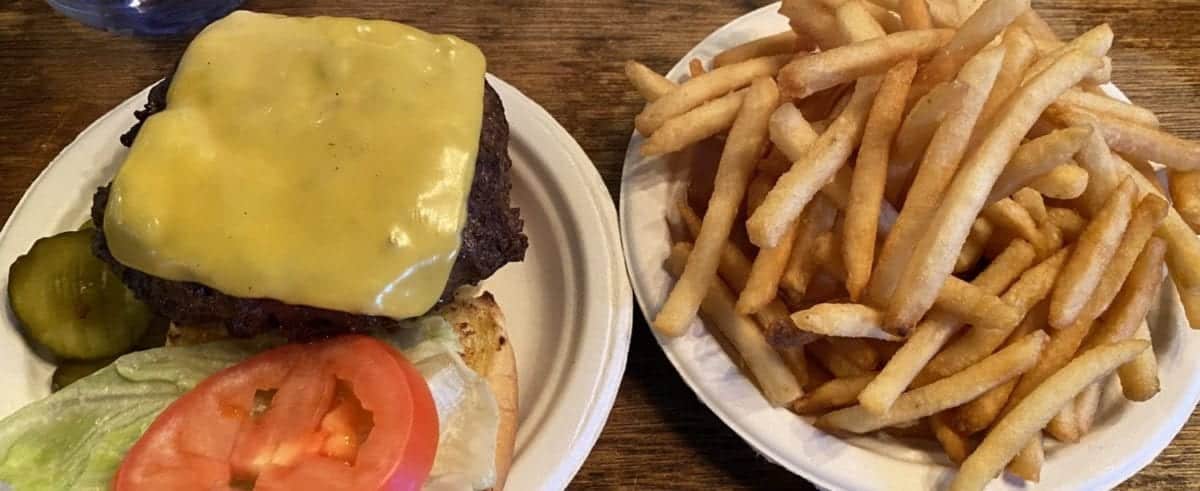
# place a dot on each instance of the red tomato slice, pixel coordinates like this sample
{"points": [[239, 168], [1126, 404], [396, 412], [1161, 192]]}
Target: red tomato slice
{"points": [[347, 413]]}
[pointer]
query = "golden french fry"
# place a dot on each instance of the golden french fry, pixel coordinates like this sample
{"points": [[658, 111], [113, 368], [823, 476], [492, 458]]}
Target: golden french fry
{"points": [[972, 249], [1185, 190], [1087, 404], [975, 32], [976, 307], [704, 88], [734, 268], [1037, 158], [1067, 425], [834, 394], [1144, 142], [810, 74], [1133, 302], [931, 334], [1063, 182], [858, 350], [944, 394], [833, 361], [791, 134], [1019, 53], [1094, 250], [1033, 203], [975, 344], [1068, 221], [695, 125], [648, 83], [773, 376], [935, 253], [842, 320], [738, 159], [1095, 42], [917, 130], [1139, 377], [956, 445], [879, 14], [1146, 218], [980, 413], [813, 19], [1036, 26], [695, 68], [797, 186], [854, 21], [915, 14], [870, 175], [818, 218], [936, 171], [1099, 104], [765, 274], [1015, 429], [944, 13], [1027, 465], [1007, 214], [775, 44]]}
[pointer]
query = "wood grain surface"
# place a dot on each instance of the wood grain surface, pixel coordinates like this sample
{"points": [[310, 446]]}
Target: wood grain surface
{"points": [[57, 76]]}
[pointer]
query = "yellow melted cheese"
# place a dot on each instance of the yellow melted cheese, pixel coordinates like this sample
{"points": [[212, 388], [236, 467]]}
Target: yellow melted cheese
{"points": [[317, 161]]}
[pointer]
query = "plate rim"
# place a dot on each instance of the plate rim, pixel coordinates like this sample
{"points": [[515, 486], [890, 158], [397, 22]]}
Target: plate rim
{"points": [[613, 283], [1129, 466]]}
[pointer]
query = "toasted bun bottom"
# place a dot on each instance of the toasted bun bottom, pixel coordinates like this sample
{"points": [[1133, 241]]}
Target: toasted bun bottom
{"points": [[479, 323], [502, 377]]}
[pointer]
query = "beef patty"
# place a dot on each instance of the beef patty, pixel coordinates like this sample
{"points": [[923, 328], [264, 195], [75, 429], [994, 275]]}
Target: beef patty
{"points": [[491, 237]]}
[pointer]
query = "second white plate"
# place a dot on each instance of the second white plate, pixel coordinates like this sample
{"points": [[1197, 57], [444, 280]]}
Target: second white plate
{"points": [[1127, 437]]}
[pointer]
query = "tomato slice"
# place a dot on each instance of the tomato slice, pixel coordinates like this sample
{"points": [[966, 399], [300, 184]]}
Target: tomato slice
{"points": [[347, 413]]}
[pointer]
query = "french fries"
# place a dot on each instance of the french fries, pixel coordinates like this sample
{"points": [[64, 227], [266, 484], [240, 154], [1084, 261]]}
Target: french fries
{"points": [[1019, 53], [1107, 106], [796, 188], [941, 161], [1139, 377], [741, 153], [870, 176], [778, 44], [984, 151], [772, 374], [695, 125], [1063, 182], [935, 330], [975, 32], [648, 83], [698, 90], [1024, 421], [1038, 157], [944, 394], [845, 320], [1095, 248], [811, 74], [933, 258], [836, 393], [1185, 190], [1147, 143]]}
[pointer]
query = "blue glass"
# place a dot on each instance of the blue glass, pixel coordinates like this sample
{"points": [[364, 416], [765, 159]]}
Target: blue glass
{"points": [[146, 17]]}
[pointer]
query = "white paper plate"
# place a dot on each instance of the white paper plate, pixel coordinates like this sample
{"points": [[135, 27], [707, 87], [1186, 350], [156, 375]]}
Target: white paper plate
{"points": [[1126, 437], [568, 305]]}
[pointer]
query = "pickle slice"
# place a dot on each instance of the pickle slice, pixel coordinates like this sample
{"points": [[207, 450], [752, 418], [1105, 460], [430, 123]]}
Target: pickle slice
{"points": [[71, 303], [68, 372]]}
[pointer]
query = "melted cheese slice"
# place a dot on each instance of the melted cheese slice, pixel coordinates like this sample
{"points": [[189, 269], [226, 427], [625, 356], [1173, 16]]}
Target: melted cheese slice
{"points": [[317, 161]]}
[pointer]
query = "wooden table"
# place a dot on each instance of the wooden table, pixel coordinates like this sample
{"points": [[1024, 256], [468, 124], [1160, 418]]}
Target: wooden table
{"points": [[57, 76]]}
